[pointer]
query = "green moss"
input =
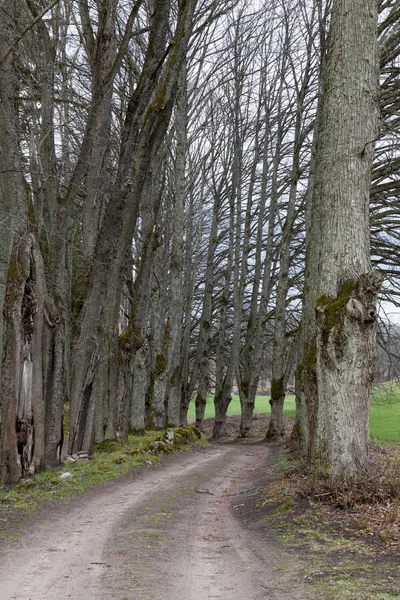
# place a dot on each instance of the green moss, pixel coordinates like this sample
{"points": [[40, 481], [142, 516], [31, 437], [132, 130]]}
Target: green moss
{"points": [[175, 377], [200, 400], [156, 105], [335, 309], [296, 431], [323, 301], [124, 342], [295, 436], [161, 364], [277, 388], [16, 272], [245, 388], [272, 432], [310, 356]]}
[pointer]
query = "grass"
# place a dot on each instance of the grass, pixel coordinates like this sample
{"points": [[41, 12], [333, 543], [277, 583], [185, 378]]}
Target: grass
{"points": [[385, 411], [262, 406]]}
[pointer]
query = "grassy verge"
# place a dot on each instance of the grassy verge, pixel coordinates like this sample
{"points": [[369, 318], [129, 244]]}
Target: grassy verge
{"points": [[111, 460], [347, 554]]}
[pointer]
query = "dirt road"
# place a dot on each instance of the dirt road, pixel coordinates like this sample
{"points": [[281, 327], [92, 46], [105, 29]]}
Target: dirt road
{"points": [[168, 533]]}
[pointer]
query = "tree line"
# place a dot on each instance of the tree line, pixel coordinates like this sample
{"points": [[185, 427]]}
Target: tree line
{"points": [[191, 193]]}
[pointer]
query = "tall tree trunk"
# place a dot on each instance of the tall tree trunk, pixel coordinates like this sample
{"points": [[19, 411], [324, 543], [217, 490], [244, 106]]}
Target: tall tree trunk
{"points": [[140, 384], [22, 432], [187, 379], [167, 379], [340, 287]]}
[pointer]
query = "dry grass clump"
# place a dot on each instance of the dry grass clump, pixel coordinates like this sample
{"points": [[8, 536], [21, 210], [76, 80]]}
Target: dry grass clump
{"points": [[379, 483], [368, 505]]}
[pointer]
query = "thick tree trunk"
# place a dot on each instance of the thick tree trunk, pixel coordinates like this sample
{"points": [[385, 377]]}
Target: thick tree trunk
{"points": [[201, 396], [200, 362], [155, 413], [176, 299], [346, 352], [21, 384], [23, 429], [338, 345]]}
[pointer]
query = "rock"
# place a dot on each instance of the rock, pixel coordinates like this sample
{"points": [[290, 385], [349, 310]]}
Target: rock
{"points": [[65, 475], [170, 436], [69, 460], [75, 456]]}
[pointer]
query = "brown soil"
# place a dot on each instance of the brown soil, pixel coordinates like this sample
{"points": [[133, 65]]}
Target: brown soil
{"points": [[260, 427]]}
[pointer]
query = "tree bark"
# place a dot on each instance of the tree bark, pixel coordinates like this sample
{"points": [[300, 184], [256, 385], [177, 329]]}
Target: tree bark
{"points": [[338, 345]]}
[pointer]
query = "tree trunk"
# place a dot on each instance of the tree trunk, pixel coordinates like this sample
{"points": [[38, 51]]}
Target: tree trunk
{"points": [[339, 344], [21, 385], [169, 366], [140, 384]]}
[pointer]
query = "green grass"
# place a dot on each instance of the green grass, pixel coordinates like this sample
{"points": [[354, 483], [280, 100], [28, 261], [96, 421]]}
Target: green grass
{"points": [[385, 414], [385, 411], [262, 406]]}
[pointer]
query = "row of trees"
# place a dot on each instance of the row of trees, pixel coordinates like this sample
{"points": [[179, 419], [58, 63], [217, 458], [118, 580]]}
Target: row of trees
{"points": [[162, 165]]}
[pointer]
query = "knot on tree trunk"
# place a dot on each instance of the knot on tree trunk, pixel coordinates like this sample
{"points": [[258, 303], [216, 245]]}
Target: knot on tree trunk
{"points": [[354, 307]]}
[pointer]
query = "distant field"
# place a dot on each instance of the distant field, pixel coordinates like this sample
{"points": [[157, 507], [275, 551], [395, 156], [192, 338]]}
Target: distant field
{"points": [[262, 407], [385, 414], [385, 411]]}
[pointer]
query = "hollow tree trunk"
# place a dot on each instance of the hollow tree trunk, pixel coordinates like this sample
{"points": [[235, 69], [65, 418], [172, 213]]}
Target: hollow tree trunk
{"points": [[23, 441], [21, 392]]}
